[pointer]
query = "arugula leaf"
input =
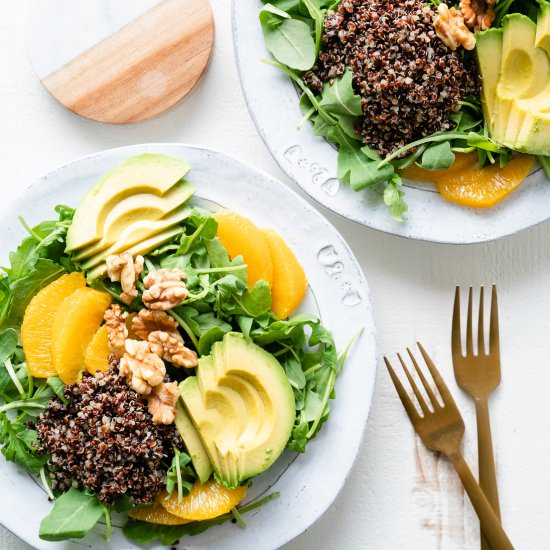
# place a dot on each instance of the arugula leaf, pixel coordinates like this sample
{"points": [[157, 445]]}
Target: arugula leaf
{"points": [[393, 198], [289, 40], [19, 444], [22, 290], [339, 98], [8, 344], [438, 157], [180, 474], [73, 515], [57, 385]]}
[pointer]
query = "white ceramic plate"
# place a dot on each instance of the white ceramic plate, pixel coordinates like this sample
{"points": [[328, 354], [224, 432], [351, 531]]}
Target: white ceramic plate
{"points": [[338, 293], [311, 162]]}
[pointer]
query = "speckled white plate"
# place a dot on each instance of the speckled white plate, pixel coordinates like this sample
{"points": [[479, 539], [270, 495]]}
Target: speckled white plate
{"points": [[311, 162], [338, 292]]}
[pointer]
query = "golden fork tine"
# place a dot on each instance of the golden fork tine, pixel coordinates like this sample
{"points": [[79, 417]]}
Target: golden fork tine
{"points": [[480, 327], [425, 383], [469, 331], [456, 341], [439, 382], [405, 399], [416, 391], [494, 338]]}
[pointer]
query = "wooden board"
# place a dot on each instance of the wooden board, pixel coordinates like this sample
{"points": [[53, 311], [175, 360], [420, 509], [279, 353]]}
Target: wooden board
{"points": [[141, 69]]}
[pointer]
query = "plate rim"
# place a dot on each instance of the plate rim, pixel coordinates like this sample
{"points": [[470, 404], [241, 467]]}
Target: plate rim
{"points": [[366, 308]]}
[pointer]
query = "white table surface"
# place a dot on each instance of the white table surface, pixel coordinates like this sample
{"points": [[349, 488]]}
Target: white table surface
{"points": [[399, 496]]}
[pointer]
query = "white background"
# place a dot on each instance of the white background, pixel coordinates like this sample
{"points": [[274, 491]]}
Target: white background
{"points": [[399, 496]]}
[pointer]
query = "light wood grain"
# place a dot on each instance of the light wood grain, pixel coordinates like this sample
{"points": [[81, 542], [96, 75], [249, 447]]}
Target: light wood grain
{"points": [[142, 69]]}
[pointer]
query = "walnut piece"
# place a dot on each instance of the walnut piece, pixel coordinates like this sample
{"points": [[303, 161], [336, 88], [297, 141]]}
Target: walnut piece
{"points": [[170, 347], [450, 27], [147, 321], [117, 332], [478, 14], [142, 368], [165, 289], [124, 269], [162, 402]]}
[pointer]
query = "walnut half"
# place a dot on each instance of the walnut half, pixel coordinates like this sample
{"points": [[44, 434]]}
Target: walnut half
{"points": [[162, 402], [165, 289], [115, 321], [142, 368], [124, 269], [451, 29]]}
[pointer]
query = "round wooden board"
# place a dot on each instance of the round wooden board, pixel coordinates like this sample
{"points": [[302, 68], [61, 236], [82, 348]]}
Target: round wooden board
{"points": [[120, 61]]}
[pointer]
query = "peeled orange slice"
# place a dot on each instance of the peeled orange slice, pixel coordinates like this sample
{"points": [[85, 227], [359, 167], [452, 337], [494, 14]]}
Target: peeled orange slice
{"points": [[204, 501], [156, 514], [76, 321], [485, 187], [241, 237], [289, 279], [36, 330], [96, 356]]}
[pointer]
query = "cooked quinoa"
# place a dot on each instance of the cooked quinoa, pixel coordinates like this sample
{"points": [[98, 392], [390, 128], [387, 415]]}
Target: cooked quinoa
{"points": [[408, 79], [104, 440]]}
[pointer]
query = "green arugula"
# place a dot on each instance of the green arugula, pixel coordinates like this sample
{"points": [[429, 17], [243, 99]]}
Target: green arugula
{"points": [[180, 475], [73, 516], [288, 39]]}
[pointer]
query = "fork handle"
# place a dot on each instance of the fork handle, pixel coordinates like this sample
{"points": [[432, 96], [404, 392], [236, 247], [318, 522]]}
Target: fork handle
{"points": [[486, 459], [490, 524]]}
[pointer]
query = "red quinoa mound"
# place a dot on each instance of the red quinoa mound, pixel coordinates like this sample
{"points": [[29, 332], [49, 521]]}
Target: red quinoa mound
{"points": [[104, 440], [408, 79]]}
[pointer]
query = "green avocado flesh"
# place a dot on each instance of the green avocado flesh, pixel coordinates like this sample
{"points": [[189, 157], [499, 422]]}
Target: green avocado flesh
{"points": [[193, 444], [243, 408], [143, 247], [516, 85], [128, 194]]}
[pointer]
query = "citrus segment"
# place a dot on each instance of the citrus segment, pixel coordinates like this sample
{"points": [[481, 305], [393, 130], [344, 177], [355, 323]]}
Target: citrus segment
{"points": [[36, 330], [462, 162], [242, 238], [96, 357], [204, 501], [289, 279], [156, 514], [76, 321], [483, 188]]}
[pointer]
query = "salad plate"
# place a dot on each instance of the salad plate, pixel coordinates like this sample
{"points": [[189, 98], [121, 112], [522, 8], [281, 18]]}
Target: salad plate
{"points": [[337, 293], [312, 162]]}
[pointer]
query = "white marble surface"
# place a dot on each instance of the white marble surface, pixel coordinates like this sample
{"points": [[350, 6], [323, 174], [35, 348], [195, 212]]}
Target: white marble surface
{"points": [[399, 496]]}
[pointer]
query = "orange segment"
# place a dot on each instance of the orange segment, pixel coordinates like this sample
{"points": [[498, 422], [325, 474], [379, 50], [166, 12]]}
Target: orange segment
{"points": [[241, 237], [483, 188], [204, 501], [36, 330], [289, 279], [96, 356], [156, 514], [76, 321], [462, 162]]}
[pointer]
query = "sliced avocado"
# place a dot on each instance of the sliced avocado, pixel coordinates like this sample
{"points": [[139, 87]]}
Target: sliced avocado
{"points": [[193, 444], [242, 405], [142, 247], [525, 68], [534, 137], [489, 60], [135, 233], [147, 173], [543, 28], [134, 209]]}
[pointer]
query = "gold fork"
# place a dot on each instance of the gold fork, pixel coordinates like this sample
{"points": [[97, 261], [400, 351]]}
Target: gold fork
{"points": [[478, 375], [441, 429]]}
